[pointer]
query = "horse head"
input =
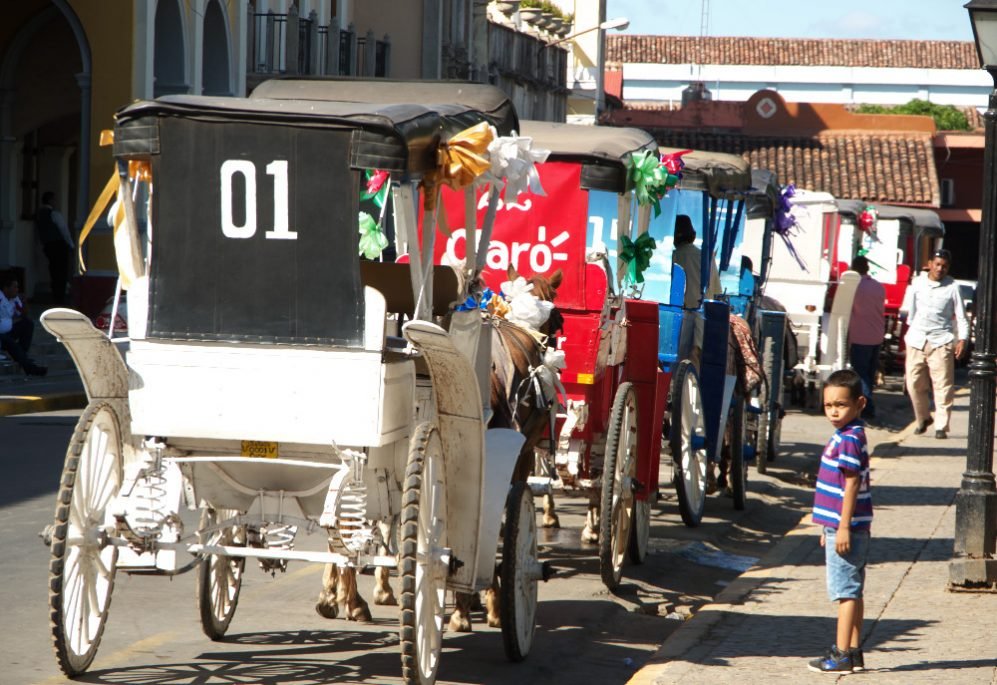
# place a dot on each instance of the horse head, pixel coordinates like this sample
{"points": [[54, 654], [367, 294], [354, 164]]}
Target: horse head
{"points": [[544, 288]]}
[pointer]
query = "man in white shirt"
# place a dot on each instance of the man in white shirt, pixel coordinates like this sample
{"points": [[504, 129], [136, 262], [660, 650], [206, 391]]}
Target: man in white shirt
{"points": [[690, 258], [16, 329], [937, 334]]}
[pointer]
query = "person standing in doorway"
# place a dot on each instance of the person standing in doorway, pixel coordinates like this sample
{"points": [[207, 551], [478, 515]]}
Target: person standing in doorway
{"points": [[866, 331], [57, 244], [937, 335]]}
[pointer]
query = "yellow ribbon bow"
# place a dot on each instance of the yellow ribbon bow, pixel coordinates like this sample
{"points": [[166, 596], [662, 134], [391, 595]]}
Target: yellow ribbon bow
{"points": [[459, 161]]}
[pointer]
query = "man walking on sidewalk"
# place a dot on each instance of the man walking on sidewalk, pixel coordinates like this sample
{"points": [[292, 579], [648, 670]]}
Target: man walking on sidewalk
{"points": [[937, 334]]}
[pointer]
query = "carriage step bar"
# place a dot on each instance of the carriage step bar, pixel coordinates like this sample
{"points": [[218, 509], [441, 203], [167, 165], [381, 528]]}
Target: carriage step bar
{"points": [[269, 553]]}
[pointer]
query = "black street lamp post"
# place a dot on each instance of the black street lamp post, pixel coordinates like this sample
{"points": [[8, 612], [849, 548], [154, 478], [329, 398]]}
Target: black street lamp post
{"points": [[973, 563]]}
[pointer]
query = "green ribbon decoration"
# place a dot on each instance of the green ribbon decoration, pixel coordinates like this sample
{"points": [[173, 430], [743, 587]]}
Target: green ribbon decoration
{"points": [[637, 255], [862, 252], [372, 240], [650, 179]]}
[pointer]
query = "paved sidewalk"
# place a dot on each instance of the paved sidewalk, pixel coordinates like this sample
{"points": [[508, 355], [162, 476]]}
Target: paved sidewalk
{"points": [[766, 625]]}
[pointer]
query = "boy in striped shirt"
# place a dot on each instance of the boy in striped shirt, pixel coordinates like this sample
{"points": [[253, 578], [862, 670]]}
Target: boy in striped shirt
{"points": [[843, 506]]}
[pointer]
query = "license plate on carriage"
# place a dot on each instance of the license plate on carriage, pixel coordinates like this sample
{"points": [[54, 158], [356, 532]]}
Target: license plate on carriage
{"points": [[259, 448]]}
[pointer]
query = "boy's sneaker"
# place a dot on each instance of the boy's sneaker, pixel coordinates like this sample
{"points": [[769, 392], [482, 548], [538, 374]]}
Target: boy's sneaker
{"points": [[858, 661], [835, 661]]}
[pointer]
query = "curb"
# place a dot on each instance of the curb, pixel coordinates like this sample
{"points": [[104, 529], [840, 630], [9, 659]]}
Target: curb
{"points": [[683, 640], [692, 633], [28, 404]]}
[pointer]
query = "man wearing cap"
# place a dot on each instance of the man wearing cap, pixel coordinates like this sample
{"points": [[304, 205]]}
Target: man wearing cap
{"points": [[937, 334]]}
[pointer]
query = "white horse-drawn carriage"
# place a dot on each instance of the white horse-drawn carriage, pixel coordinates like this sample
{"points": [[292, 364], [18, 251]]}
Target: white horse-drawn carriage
{"points": [[270, 382]]}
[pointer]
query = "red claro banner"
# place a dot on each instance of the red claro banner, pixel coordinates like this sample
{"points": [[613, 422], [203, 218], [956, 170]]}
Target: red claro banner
{"points": [[537, 234]]}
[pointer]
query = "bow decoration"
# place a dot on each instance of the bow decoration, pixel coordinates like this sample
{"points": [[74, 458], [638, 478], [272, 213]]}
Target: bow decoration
{"points": [[868, 219], [372, 240], [377, 187], [637, 255], [514, 159], [864, 252], [673, 162], [651, 178], [459, 162], [786, 225]]}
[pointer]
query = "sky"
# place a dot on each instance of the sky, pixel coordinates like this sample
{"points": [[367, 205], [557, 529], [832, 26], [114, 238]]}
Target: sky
{"points": [[903, 19]]}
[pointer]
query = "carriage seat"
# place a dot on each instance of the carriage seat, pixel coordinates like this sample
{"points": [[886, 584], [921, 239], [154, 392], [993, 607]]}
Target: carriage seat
{"points": [[392, 280]]}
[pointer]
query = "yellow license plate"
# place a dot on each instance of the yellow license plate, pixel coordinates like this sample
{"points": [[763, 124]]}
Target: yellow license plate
{"points": [[259, 448]]}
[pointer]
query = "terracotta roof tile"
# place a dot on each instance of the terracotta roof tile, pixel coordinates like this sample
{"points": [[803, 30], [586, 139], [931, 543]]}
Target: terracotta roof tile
{"points": [[913, 54], [874, 166]]}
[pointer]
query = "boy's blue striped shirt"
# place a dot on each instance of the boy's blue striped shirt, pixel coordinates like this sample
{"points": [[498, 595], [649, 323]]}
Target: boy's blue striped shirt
{"points": [[844, 453]]}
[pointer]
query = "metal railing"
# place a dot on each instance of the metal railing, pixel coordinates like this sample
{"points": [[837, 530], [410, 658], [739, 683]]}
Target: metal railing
{"points": [[289, 44]]}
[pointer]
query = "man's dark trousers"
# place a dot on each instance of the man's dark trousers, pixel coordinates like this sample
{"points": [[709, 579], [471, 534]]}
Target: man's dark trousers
{"points": [[865, 361]]}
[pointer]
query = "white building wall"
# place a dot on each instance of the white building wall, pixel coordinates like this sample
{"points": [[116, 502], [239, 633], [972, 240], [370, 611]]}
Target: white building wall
{"points": [[844, 85]]}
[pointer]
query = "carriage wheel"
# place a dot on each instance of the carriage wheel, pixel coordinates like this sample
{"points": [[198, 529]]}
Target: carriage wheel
{"points": [[219, 578], [640, 530], [81, 570], [688, 443], [520, 573], [618, 471], [423, 568], [738, 473]]}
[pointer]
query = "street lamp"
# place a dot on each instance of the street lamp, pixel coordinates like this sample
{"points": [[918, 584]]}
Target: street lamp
{"points": [[973, 562], [619, 24]]}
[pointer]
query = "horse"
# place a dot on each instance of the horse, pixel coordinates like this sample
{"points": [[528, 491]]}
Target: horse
{"points": [[516, 355]]}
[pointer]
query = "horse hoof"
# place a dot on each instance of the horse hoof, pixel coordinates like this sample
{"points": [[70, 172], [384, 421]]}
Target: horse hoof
{"points": [[360, 613], [326, 609], [551, 521], [589, 535], [459, 624], [494, 622], [385, 599]]}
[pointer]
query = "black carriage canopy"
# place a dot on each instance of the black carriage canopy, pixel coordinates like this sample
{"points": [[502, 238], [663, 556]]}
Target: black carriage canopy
{"points": [[922, 222], [460, 103], [601, 150], [763, 197], [255, 211]]}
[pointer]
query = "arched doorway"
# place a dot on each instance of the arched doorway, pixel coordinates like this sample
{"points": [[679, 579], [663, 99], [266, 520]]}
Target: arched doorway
{"points": [[44, 113], [215, 70], [170, 65]]}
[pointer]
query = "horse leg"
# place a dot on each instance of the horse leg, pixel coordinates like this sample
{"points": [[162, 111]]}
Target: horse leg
{"points": [[550, 519], [356, 607], [327, 607], [460, 619], [383, 594], [493, 603], [590, 533]]}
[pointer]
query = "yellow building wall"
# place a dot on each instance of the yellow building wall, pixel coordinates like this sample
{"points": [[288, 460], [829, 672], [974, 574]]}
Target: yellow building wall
{"points": [[110, 34]]}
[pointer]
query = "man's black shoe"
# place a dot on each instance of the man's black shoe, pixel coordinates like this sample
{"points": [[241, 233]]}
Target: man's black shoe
{"points": [[923, 426]]}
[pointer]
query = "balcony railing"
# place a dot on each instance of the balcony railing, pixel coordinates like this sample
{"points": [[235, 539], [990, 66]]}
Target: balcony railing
{"points": [[289, 44]]}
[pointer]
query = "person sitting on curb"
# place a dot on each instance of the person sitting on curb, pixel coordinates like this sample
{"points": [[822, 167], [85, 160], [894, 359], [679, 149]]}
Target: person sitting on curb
{"points": [[16, 329]]}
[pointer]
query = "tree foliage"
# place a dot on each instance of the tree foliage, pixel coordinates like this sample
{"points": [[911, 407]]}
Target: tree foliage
{"points": [[947, 117]]}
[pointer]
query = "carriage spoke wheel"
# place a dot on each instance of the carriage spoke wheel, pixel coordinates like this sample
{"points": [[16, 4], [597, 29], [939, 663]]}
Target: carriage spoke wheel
{"points": [[688, 443], [738, 467], [640, 530], [424, 566], [618, 473], [520, 573], [219, 578], [82, 566]]}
